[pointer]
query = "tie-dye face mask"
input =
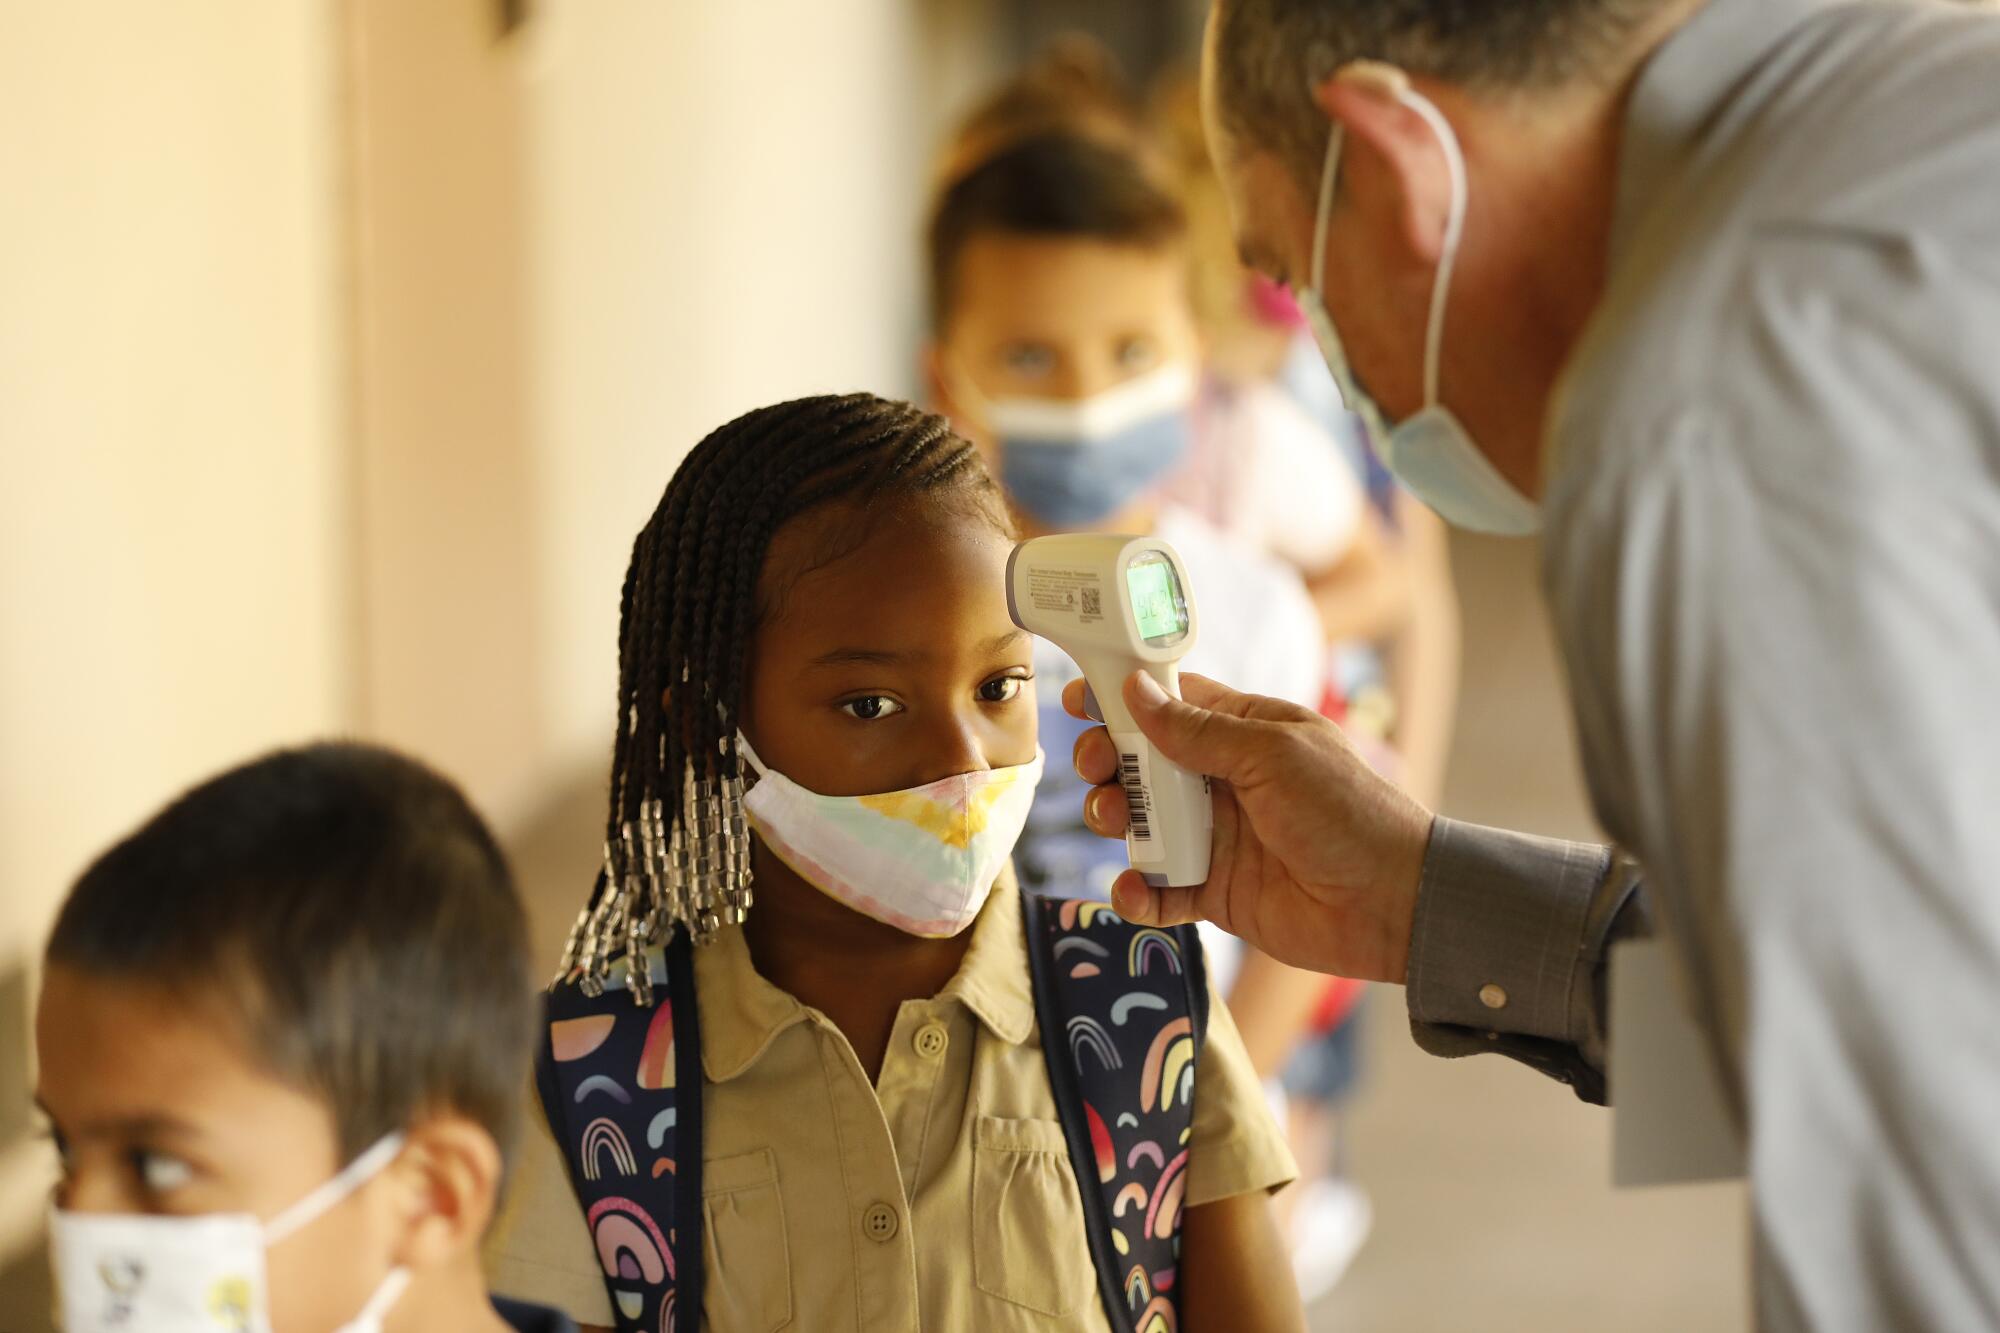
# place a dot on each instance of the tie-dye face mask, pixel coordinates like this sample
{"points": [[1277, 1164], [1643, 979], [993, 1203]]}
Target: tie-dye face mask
{"points": [[921, 860]]}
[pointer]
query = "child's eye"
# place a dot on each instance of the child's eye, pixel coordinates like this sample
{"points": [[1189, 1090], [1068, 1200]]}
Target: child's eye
{"points": [[1002, 688], [1030, 360], [871, 707], [161, 1173], [1137, 353]]}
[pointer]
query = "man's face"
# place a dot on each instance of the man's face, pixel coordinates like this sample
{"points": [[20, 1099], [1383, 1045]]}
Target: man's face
{"points": [[1378, 310]]}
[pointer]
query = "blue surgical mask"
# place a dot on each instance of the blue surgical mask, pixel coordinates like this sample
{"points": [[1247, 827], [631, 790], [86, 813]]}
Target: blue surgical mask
{"points": [[1431, 452], [1070, 463]]}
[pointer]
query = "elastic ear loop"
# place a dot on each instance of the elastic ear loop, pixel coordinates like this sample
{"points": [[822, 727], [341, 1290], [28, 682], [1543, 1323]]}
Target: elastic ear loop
{"points": [[744, 750], [1454, 232], [1454, 226], [1324, 215], [1351, 396], [385, 1297], [324, 1196]]}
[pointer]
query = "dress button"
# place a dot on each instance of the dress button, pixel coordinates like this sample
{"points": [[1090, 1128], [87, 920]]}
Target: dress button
{"points": [[1492, 996], [932, 1040], [880, 1222]]}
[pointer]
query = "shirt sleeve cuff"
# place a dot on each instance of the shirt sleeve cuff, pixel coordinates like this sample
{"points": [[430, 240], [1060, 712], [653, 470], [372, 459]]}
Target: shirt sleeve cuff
{"points": [[1498, 939], [1506, 949]]}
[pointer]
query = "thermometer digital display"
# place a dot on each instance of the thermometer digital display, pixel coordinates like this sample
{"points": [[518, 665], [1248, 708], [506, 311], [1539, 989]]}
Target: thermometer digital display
{"points": [[1158, 604], [1116, 605]]}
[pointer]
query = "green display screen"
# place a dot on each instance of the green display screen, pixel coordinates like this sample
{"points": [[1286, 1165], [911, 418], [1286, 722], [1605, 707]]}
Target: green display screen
{"points": [[1156, 599]]}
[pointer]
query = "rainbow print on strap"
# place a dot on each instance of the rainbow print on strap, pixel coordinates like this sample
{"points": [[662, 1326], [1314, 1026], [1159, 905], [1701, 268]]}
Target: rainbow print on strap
{"points": [[1130, 1006], [609, 1076]]}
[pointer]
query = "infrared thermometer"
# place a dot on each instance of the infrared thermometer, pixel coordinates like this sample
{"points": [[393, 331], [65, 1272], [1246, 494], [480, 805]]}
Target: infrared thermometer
{"points": [[1118, 605]]}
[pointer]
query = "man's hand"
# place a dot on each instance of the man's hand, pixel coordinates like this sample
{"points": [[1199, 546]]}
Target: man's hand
{"points": [[1316, 858]]}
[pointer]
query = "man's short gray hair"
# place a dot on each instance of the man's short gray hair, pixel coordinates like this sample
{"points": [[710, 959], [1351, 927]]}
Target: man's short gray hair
{"points": [[1269, 52]]}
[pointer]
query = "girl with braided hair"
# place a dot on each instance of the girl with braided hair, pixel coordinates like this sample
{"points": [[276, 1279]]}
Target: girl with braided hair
{"points": [[825, 748]]}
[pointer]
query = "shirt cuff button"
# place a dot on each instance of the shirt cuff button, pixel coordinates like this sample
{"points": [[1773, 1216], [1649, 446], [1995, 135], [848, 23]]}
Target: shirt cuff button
{"points": [[1492, 996]]}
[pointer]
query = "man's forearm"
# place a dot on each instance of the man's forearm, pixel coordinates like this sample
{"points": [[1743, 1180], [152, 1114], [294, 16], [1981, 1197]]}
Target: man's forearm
{"points": [[1509, 947]]}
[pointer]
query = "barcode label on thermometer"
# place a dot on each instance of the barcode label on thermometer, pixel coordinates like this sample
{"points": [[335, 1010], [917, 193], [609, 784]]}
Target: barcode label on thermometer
{"points": [[1132, 773]]}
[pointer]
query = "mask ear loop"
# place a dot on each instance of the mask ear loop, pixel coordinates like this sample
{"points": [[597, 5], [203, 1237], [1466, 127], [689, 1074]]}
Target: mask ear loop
{"points": [[324, 1196], [1331, 347], [1324, 215], [747, 752], [1454, 232], [393, 1285]]}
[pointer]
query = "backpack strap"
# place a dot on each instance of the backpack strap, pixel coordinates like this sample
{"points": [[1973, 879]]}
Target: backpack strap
{"points": [[1123, 1011], [621, 1088]]}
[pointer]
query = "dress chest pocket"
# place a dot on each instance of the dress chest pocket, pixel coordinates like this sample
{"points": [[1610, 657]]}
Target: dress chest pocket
{"points": [[1029, 1247], [747, 1260]]}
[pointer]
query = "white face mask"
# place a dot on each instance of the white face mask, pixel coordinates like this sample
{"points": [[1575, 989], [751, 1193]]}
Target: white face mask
{"points": [[1431, 453], [921, 860], [136, 1273]]}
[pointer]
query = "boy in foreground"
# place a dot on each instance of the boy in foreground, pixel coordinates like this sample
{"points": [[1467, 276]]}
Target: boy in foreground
{"points": [[282, 1035]]}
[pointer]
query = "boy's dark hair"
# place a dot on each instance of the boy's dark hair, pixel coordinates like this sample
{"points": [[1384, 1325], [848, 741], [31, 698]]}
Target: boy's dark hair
{"points": [[690, 606], [1268, 53], [355, 912], [1057, 182]]}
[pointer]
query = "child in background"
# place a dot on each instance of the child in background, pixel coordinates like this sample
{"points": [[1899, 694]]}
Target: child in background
{"points": [[1064, 345], [1067, 344], [817, 612], [282, 1034]]}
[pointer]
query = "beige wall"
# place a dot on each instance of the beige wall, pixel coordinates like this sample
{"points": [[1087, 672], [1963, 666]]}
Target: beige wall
{"points": [[449, 644], [724, 216], [344, 346], [245, 499], [171, 586], [580, 249]]}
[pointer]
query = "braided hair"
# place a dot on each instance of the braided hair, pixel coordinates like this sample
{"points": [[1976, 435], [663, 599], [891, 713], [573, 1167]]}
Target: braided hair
{"points": [[676, 850]]}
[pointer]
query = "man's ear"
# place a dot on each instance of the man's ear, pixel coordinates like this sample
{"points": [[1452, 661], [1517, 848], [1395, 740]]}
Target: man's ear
{"points": [[1392, 166], [448, 1176]]}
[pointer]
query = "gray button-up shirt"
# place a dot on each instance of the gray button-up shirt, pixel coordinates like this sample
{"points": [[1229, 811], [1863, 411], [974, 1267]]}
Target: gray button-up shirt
{"points": [[1773, 556]]}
